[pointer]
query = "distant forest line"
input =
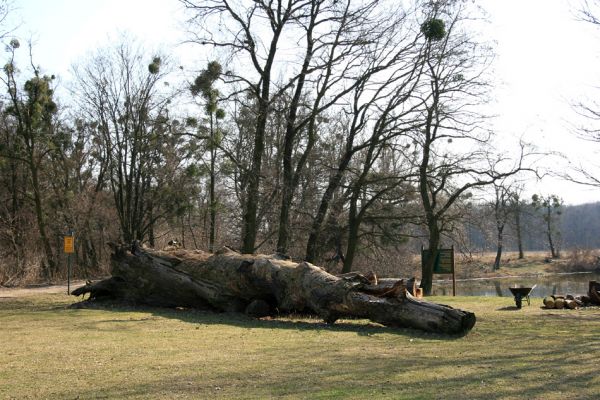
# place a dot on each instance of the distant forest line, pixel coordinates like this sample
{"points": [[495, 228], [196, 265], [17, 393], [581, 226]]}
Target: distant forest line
{"points": [[579, 228]]}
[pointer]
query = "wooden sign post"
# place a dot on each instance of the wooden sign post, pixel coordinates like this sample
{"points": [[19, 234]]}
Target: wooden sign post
{"points": [[444, 264], [69, 248]]}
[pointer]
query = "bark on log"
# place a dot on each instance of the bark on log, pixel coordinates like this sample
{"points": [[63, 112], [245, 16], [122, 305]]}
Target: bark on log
{"points": [[230, 281]]}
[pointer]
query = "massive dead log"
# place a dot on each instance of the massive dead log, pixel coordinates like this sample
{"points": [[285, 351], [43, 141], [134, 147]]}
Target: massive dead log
{"points": [[258, 284]]}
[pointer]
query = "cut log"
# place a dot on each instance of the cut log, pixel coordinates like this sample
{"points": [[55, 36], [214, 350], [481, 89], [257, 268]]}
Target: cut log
{"points": [[549, 302], [559, 303], [570, 304], [230, 281]]}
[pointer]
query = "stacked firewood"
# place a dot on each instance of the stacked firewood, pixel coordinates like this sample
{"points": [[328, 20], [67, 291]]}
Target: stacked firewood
{"points": [[572, 302]]}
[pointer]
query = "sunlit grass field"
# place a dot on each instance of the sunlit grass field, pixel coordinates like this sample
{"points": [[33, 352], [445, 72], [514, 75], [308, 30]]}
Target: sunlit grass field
{"points": [[51, 351]]}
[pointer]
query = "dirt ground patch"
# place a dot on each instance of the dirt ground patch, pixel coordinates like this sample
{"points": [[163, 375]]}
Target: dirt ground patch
{"points": [[33, 290]]}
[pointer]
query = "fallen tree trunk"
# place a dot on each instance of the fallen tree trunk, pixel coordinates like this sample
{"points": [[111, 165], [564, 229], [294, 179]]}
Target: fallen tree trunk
{"points": [[257, 284]]}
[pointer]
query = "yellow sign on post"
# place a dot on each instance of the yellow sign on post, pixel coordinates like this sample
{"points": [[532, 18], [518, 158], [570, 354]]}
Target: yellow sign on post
{"points": [[69, 244]]}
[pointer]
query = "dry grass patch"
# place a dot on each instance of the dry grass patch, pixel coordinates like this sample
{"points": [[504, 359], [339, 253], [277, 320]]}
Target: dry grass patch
{"points": [[534, 263]]}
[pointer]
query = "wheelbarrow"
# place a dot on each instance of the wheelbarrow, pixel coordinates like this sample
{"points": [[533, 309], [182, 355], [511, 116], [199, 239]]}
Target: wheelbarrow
{"points": [[521, 293]]}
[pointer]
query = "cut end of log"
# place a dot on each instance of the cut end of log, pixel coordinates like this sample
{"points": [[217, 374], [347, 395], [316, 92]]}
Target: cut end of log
{"points": [[468, 321], [549, 302]]}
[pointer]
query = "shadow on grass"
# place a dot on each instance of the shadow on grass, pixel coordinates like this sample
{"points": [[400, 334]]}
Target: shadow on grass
{"points": [[499, 372], [509, 308], [35, 304], [292, 321]]}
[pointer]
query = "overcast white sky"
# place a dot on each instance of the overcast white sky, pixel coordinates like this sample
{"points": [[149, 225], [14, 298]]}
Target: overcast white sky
{"points": [[545, 60]]}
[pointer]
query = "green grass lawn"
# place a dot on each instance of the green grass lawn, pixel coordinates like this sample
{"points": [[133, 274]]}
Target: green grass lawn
{"points": [[51, 351]]}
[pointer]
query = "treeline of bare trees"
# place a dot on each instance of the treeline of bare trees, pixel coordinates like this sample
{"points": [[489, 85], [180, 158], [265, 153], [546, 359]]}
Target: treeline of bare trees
{"points": [[331, 131], [576, 227]]}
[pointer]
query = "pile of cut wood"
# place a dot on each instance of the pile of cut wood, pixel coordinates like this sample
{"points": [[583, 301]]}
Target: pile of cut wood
{"points": [[572, 302]]}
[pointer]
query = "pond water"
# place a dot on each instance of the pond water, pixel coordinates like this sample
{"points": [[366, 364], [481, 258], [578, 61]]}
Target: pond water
{"points": [[574, 283]]}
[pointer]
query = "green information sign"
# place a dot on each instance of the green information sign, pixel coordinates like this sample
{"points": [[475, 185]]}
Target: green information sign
{"points": [[444, 263]]}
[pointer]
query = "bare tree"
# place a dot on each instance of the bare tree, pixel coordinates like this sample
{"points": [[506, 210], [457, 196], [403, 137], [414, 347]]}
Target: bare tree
{"points": [[501, 206], [551, 208], [243, 34], [337, 45], [516, 204], [589, 111], [589, 10], [204, 85], [13, 188], [379, 108], [590, 132], [338, 37], [378, 199], [118, 91], [33, 110], [455, 154]]}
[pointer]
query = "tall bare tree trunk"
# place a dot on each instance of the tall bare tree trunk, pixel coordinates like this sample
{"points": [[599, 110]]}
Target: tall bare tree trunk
{"points": [[499, 248], [250, 227], [353, 227], [50, 262], [315, 230], [431, 255], [518, 229], [213, 201], [553, 250]]}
